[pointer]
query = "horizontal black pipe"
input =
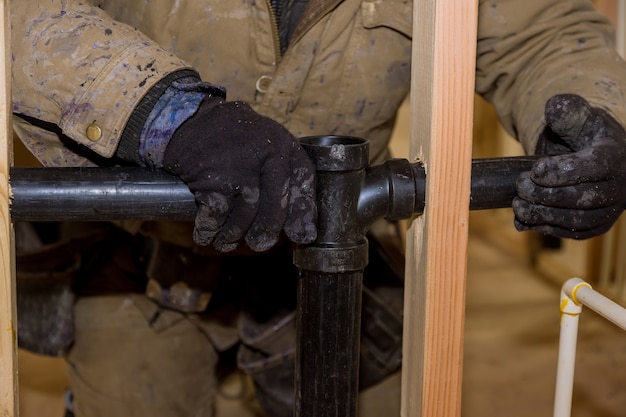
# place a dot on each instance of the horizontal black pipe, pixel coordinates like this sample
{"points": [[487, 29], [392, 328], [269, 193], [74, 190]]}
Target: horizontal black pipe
{"points": [[493, 180], [129, 193], [98, 194]]}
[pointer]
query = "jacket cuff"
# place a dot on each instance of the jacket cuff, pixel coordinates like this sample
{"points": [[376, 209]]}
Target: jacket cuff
{"points": [[179, 103], [132, 139]]}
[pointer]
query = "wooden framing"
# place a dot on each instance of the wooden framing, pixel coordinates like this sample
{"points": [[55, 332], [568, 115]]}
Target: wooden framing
{"points": [[442, 102], [442, 99], [8, 322], [605, 265]]}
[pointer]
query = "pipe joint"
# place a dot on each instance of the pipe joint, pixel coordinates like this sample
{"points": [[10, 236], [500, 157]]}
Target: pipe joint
{"points": [[403, 192], [332, 260], [569, 302], [572, 286]]}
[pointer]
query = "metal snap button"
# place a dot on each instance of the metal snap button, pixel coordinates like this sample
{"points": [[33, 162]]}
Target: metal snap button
{"points": [[93, 133], [263, 83]]}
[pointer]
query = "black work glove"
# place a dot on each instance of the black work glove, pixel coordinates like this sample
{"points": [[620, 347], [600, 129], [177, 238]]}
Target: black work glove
{"points": [[250, 177], [580, 191]]}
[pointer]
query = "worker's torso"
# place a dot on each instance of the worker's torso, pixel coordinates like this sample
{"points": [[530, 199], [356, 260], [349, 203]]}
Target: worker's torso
{"points": [[346, 71]]}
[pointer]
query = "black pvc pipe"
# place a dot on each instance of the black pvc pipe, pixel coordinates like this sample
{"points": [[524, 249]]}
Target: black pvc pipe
{"points": [[493, 180], [330, 283], [393, 190], [98, 194], [328, 347]]}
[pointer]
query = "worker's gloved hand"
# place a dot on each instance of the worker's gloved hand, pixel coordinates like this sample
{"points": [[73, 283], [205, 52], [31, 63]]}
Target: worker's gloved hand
{"points": [[249, 175], [580, 190]]}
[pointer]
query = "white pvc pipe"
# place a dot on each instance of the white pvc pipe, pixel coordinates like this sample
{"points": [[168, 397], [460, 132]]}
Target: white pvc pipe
{"points": [[574, 294], [570, 311]]}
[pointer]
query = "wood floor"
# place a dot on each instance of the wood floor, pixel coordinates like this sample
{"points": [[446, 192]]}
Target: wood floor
{"points": [[511, 337]]}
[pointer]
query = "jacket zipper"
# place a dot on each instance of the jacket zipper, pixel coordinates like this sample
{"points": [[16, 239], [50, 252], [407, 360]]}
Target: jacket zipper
{"points": [[275, 34]]}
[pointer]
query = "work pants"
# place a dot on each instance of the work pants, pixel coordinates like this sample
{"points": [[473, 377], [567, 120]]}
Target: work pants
{"points": [[132, 359]]}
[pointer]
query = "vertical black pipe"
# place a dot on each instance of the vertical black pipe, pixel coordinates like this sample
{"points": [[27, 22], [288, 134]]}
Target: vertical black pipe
{"points": [[329, 321], [330, 283]]}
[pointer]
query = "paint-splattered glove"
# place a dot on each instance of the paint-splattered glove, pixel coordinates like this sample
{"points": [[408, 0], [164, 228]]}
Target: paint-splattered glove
{"points": [[249, 175], [580, 191]]}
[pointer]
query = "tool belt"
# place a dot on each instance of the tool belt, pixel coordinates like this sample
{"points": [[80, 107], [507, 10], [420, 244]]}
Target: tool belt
{"points": [[262, 288]]}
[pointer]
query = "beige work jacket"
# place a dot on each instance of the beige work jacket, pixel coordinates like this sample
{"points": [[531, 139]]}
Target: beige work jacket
{"points": [[346, 71]]}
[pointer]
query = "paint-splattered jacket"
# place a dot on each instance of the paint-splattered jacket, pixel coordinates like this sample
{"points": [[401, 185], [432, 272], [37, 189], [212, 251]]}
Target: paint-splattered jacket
{"points": [[346, 71]]}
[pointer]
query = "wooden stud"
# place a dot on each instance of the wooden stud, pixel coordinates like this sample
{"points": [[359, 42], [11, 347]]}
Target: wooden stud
{"points": [[8, 317], [442, 98], [603, 264]]}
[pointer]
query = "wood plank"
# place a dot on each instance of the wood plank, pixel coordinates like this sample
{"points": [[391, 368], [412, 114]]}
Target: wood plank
{"points": [[8, 319], [601, 260], [442, 98], [609, 8]]}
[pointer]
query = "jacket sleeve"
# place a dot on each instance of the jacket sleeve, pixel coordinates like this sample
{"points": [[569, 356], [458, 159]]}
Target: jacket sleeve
{"points": [[76, 68], [530, 50]]}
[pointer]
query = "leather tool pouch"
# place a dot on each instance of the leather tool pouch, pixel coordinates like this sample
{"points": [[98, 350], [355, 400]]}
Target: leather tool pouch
{"points": [[45, 277], [181, 279]]}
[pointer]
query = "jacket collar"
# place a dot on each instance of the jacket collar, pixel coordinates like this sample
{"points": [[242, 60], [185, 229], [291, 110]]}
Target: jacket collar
{"points": [[315, 10]]}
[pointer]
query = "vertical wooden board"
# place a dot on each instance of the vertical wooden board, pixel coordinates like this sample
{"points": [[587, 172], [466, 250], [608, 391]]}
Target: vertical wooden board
{"points": [[602, 264], [8, 320], [442, 98], [610, 8]]}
